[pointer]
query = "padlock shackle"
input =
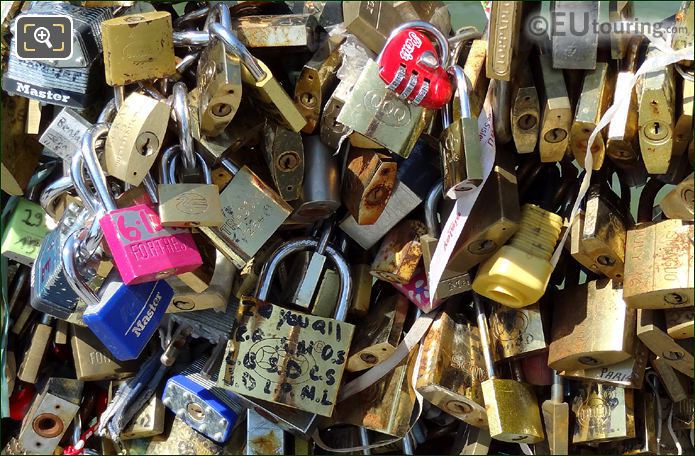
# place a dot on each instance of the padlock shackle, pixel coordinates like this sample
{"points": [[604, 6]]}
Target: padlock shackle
{"points": [[191, 38], [73, 277], [431, 204], [556, 390], [108, 112], [164, 161], [484, 335], [219, 13], [433, 31], [236, 47], [298, 245], [462, 90], [645, 208], [88, 154], [229, 166], [462, 36], [182, 114], [52, 192], [207, 175]]}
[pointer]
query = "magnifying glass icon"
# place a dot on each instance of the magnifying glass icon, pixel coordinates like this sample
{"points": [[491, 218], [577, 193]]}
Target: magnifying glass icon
{"points": [[42, 35]]}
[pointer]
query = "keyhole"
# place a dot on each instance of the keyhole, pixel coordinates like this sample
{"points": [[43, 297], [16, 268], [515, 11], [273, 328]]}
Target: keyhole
{"points": [[675, 299], [655, 131], [288, 161], [482, 247], [147, 143], [527, 121], [221, 109], [555, 135], [308, 100], [195, 411]]}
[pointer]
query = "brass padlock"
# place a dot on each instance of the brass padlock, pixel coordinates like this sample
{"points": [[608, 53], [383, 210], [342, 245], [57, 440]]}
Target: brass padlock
{"points": [[474, 69], [392, 123], [378, 338], [503, 39], [31, 364], [135, 137], [138, 47], [592, 327], [556, 111], [258, 367], [214, 296], [262, 87], [656, 118], [556, 418], [679, 322], [368, 182], [148, 422], [595, 98], [658, 259], [683, 128], [316, 81], [674, 383], [399, 253], [525, 115], [512, 410], [284, 153], [330, 130], [603, 413], [678, 203], [574, 49], [290, 32], [362, 282], [93, 361], [452, 369], [516, 332], [651, 331]]}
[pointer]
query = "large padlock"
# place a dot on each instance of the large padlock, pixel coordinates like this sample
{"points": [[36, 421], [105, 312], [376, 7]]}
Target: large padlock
{"points": [[93, 362], [274, 352], [143, 250], [411, 67]]}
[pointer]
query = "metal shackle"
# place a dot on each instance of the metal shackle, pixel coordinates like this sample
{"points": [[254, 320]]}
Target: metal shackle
{"points": [[191, 38], [433, 31], [72, 275], [462, 91], [236, 47], [53, 191], [297, 245], [207, 174], [89, 155], [180, 107], [219, 13], [431, 203]]}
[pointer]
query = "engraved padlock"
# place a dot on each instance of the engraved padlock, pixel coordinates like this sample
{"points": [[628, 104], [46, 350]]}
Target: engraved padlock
{"points": [[143, 250], [412, 68], [505, 24], [603, 413], [399, 253], [263, 362]]}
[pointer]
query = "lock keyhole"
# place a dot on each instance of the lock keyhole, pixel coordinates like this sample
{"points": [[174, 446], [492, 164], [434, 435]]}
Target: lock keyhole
{"points": [[288, 161], [527, 121], [195, 411], [221, 109], [655, 131], [147, 143], [555, 135]]}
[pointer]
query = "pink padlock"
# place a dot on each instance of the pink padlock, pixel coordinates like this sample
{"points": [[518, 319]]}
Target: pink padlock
{"points": [[418, 291], [143, 250]]}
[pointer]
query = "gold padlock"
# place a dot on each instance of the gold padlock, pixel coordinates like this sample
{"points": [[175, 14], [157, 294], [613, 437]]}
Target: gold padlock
{"points": [[603, 413], [291, 32], [673, 382], [399, 253], [147, 422], [368, 182], [31, 363], [474, 69], [214, 296], [503, 40], [651, 331], [516, 332], [683, 129], [135, 137], [678, 203], [93, 361], [556, 117], [283, 151], [138, 47], [452, 369], [556, 418], [525, 115]]}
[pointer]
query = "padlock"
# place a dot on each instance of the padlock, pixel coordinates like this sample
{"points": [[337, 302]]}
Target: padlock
{"points": [[556, 418], [215, 295], [525, 114], [64, 134], [24, 232], [320, 196], [598, 234], [512, 411], [625, 374], [148, 422], [494, 218], [290, 32], [178, 438], [518, 273], [673, 382], [316, 81], [368, 182], [372, 22], [505, 23], [416, 176], [50, 415], [392, 123], [679, 323], [678, 203], [516, 333], [263, 436], [459, 144], [330, 130], [592, 327], [656, 116], [399, 253], [572, 49], [40, 339], [143, 250], [187, 205], [93, 361], [20, 153], [386, 406], [452, 282], [651, 330], [452, 369], [210, 410], [658, 259], [603, 413], [284, 153], [213, 148], [261, 86], [412, 68], [622, 143], [252, 213], [683, 128], [138, 47], [218, 78], [135, 137], [556, 111], [378, 338], [474, 69], [596, 96], [260, 329]]}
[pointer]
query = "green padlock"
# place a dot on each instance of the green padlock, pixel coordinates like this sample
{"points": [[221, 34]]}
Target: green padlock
{"points": [[23, 235]]}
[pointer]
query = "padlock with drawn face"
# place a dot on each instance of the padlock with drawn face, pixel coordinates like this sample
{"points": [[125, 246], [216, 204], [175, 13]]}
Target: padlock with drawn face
{"points": [[288, 357], [143, 250]]}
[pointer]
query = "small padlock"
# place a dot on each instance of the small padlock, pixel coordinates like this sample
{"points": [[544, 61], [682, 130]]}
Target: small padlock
{"points": [[284, 153], [214, 296], [556, 111], [525, 115], [290, 32], [452, 368], [556, 418], [399, 253], [247, 368], [24, 232], [368, 182], [93, 362], [603, 413], [411, 67], [505, 24], [29, 368], [64, 134]]}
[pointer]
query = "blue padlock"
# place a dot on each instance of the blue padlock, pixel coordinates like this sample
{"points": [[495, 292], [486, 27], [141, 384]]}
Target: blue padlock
{"points": [[195, 399], [124, 317]]}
